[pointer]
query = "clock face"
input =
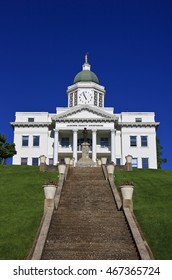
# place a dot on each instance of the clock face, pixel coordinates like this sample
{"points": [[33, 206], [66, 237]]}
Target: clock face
{"points": [[85, 97]]}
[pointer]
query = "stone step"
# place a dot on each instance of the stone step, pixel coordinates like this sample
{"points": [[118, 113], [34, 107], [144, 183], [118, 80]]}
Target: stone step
{"points": [[84, 177], [86, 224], [85, 170], [96, 175]]}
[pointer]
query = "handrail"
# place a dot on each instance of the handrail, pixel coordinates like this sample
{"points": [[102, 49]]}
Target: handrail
{"points": [[115, 193], [112, 186], [144, 252], [40, 243], [104, 172]]}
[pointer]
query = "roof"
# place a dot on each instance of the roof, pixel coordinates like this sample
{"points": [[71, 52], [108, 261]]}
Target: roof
{"points": [[86, 76]]}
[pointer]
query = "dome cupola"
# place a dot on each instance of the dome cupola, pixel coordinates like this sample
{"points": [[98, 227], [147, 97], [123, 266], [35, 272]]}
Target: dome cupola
{"points": [[86, 89], [86, 75]]}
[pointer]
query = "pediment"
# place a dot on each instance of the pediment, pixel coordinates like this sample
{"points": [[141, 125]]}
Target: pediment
{"points": [[85, 112]]}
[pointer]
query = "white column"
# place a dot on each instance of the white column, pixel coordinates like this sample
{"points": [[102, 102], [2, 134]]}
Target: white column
{"points": [[75, 140], [94, 143], [113, 152], [56, 143]]}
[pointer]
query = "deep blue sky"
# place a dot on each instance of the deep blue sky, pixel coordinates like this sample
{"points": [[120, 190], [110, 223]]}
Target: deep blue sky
{"points": [[42, 48]]}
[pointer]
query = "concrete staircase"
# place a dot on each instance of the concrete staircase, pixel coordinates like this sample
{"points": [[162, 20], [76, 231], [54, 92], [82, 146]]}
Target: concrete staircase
{"points": [[86, 224]]}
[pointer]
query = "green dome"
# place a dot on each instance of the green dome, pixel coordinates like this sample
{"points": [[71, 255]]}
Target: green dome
{"points": [[86, 76]]}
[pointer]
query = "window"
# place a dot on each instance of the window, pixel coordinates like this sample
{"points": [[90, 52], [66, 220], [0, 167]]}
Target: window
{"points": [[30, 119], [51, 161], [134, 163], [118, 161], [145, 163], [36, 141], [71, 99], [75, 98], [144, 141], [25, 141], [65, 141], [35, 161], [104, 142], [23, 161], [138, 119], [95, 98], [100, 100], [133, 141]]}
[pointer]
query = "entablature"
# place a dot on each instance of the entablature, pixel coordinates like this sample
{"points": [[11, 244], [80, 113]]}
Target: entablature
{"points": [[66, 120], [30, 124], [138, 124]]}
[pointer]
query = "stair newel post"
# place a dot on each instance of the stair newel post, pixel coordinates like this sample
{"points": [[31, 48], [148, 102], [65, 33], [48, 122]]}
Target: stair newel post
{"points": [[103, 160], [49, 194], [128, 163], [48, 203], [42, 163], [67, 160], [127, 195], [110, 170], [61, 169]]}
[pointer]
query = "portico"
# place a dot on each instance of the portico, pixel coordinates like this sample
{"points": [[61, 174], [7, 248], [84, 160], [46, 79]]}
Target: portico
{"points": [[68, 144]]}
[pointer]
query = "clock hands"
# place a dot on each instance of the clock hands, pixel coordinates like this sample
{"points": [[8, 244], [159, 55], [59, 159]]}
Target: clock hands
{"points": [[84, 96]]}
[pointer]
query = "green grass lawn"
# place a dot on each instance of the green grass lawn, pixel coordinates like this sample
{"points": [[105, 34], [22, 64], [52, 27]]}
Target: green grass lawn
{"points": [[21, 208], [152, 201]]}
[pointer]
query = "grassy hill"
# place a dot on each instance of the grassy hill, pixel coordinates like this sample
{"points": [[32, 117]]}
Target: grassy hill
{"points": [[21, 202], [21, 208], [153, 207]]}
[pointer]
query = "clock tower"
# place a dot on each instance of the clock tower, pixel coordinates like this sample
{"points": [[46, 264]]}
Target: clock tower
{"points": [[86, 89]]}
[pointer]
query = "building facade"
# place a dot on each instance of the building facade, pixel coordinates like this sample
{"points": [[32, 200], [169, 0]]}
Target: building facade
{"points": [[110, 135]]}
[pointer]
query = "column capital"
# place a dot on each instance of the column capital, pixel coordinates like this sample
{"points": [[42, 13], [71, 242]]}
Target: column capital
{"points": [[94, 130], [56, 130], [113, 130], [75, 129]]}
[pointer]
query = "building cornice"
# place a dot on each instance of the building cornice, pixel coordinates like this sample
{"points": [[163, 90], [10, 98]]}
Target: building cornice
{"points": [[66, 120], [87, 85], [138, 124], [30, 124]]}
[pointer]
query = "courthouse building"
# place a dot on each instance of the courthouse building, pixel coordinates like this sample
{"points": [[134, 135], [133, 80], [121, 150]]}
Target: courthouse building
{"points": [[60, 134]]}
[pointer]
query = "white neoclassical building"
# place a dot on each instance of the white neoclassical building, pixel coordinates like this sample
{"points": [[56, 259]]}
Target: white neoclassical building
{"points": [[110, 135]]}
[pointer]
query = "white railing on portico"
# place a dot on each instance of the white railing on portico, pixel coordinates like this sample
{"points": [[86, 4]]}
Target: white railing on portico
{"points": [[70, 148], [103, 149], [63, 148], [98, 145]]}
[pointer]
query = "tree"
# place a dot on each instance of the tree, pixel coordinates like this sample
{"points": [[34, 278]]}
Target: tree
{"points": [[7, 150], [159, 148]]}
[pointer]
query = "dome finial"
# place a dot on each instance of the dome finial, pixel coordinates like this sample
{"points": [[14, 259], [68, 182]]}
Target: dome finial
{"points": [[86, 65], [86, 58]]}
